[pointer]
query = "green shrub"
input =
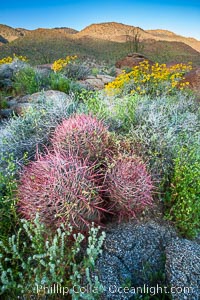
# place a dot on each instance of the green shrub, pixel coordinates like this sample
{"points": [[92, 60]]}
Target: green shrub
{"points": [[122, 112], [8, 185], [35, 258], [118, 113], [93, 103], [3, 101], [28, 81], [95, 71], [183, 206], [59, 82]]}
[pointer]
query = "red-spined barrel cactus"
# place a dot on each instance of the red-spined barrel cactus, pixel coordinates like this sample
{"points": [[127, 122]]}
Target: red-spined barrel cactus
{"points": [[61, 189], [84, 136], [129, 187]]}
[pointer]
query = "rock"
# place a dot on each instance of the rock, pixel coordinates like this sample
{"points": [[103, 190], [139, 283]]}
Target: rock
{"points": [[96, 82], [50, 95], [133, 256], [132, 60], [183, 269], [193, 77], [20, 104], [105, 78]]}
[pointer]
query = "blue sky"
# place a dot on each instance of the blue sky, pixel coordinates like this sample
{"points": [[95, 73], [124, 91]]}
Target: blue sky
{"points": [[182, 17]]}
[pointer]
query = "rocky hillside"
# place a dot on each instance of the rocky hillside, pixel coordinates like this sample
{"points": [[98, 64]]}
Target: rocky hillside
{"points": [[105, 42], [110, 31], [118, 32], [10, 34]]}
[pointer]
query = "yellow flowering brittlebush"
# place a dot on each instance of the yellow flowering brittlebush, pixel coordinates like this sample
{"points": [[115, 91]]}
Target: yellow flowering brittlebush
{"points": [[149, 79], [59, 64], [9, 59]]}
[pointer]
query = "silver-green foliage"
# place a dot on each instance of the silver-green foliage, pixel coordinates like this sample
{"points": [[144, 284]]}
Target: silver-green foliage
{"points": [[23, 133], [37, 257], [161, 126]]}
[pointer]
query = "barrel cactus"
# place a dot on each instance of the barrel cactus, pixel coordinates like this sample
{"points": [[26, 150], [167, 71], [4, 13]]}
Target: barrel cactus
{"points": [[84, 136], [61, 189], [129, 187]]}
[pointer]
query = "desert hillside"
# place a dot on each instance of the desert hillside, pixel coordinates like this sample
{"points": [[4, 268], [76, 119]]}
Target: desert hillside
{"points": [[118, 32], [106, 42], [10, 34], [111, 31]]}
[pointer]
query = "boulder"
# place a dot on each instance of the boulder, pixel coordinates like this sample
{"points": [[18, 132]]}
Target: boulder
{"points": [[50, 95], [96, 82], [133, 256], [132, 60], [20, 104], [183, 269]]}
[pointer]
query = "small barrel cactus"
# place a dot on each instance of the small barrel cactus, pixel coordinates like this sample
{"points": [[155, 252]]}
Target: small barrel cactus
{"points": [[61, 189], [84, 136], [129, 187]]}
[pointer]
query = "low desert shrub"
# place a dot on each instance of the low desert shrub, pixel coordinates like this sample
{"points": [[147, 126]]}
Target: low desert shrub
{"points": [[129, 187], [160, 127], [35, 259], [147, 79], [8, 186], [61, 63], [62, 189], [21, 134], [28, 81], [85, 136], [76, 71], [3, 101], [59, 82], [121, 114], [117, 112], [9, 59], [183, 205], [93, 103]]}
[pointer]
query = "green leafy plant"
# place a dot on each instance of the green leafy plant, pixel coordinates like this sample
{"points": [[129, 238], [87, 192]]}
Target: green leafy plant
{"points": [[8, 185], [93, 103], [60, 83], [183, 205], [28, 81], [34, 259], [117, 112]]}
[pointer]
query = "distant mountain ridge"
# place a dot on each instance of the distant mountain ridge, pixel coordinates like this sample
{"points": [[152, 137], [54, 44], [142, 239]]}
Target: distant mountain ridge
{"points": [[104, 42], [111, 31], [10, 34], [118, 32]]}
